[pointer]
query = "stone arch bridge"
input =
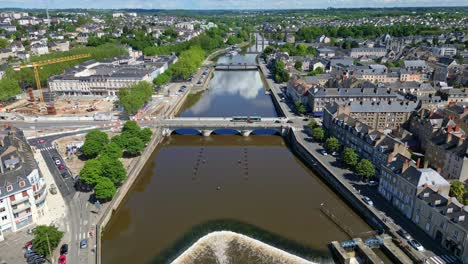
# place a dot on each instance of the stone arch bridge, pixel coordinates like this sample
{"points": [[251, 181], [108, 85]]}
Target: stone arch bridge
{"points": [[208, 125]]}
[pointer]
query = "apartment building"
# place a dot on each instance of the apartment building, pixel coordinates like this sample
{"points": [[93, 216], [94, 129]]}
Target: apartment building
{"points": [[368, 52], [379, 115], [22, 189], [368, 143], [320, 97], [39, 49]]}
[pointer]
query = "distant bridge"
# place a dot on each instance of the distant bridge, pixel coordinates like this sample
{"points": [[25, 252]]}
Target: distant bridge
{"points": [[207, 125], [236, 67]]}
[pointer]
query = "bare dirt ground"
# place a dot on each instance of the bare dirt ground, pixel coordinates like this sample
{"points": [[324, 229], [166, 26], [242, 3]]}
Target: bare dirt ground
{"points": [[82, 106]]}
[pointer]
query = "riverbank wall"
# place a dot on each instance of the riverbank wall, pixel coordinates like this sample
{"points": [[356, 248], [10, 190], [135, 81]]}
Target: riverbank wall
{"points": [[135, 168]]}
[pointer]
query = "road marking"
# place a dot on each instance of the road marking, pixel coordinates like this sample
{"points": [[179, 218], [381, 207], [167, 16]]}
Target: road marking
{"points": [[85, 222], [436, 260], [449, 259]]}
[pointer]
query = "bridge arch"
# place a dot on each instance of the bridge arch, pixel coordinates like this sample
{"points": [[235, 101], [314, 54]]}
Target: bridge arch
{"points": [[186, 131], [225, 131]]}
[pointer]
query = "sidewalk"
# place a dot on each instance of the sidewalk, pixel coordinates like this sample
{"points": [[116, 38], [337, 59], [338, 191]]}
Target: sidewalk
{"points": [[56, 210]]}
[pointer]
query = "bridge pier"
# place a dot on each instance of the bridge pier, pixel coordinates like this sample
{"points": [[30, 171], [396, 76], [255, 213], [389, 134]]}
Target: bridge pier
{"points": [[206, 133], [246, 133], [166, 132]]}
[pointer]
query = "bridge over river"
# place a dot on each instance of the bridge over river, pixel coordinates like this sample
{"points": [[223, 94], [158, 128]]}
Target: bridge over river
{"points": [[236, 67], [208, 125]]}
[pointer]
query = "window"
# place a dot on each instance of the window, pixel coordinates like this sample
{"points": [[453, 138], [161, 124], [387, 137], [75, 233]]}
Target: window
{"points": [[22, 184], [15, 215], [428, 226], [25, 194], [2, 209], [9, 188], [416, 219], [12, 198], [4, 217]]}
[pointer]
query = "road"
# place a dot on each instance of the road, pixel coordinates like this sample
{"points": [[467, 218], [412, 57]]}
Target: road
{"points": [[80, 216]]}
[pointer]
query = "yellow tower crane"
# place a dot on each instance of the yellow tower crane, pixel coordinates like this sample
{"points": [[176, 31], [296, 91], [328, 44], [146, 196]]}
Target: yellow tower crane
{"points": [[40, 64]]}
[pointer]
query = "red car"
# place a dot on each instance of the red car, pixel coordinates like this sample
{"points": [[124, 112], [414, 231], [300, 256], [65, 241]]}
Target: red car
{"points": [[61, 167], [63, 259], [42, 141], [28, 244]]}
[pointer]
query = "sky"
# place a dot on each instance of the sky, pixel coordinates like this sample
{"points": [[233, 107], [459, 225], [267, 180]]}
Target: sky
{"points": [[225, 4]]}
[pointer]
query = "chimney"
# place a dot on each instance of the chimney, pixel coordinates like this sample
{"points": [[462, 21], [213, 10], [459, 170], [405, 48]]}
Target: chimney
{"points": [[449, 129], [405, 166], [418, 163], [457, 128], [390, 158]]}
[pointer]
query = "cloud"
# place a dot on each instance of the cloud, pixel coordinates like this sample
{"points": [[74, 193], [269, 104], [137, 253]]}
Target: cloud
{"points": [[224, 4]]}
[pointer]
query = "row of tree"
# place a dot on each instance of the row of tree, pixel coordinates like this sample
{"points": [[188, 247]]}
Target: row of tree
{"points": [[135, 97], [103, 170], [309, 33], [363, 167], [279, 72]]}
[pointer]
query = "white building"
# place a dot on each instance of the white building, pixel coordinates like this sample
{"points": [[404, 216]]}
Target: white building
{"points": [[39, 49], [22, 189]]}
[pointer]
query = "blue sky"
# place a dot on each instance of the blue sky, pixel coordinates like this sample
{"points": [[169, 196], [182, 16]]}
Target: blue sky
{"points": [[225, 4]]}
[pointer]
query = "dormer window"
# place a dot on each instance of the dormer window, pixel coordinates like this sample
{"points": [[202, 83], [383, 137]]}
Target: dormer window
{"points": [[426, 194], [22, 183], [461, 218], [449, 210], [9, 188], [437, 202]]}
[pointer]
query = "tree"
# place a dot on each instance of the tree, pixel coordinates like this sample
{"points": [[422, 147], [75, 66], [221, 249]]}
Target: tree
{"points": [[112, 150], [268, 50], [135, 146], [9, 88], [298, 65], [350, 158], [131, 127], [113, 169], [3, 43], [312, 124], [300, 107], [120, 140], [365, 168], [91, 172], [145, 135], [95, 141], [318, 70], [332, 144], [457, 190], [46, 239], [135, 97], [105, 189], [318, 134]]}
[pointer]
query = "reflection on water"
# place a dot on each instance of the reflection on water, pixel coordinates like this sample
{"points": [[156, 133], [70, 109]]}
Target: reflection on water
{"points": [[233, 93], [195, 185]]}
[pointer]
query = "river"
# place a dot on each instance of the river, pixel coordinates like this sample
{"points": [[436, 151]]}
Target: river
{"points": [[194, 185]]}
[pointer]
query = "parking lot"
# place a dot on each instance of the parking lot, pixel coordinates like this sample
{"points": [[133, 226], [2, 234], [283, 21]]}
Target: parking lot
{"points": [[12, 249]]}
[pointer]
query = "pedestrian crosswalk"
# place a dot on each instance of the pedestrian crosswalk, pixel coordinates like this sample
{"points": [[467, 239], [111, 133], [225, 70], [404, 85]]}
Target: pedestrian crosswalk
{"points": [[444, 259], [46, 148]]}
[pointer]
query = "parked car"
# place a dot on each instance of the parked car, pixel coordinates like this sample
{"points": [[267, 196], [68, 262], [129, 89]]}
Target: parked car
{"points": [[31, 230], [404, 234], [324, 153], [65, 174], [368, 201], [53, 189], [28, 244], [64, 249], [416, 245], [373, 183], [84, 243], [42, 141], [61, 167], [63, 259], [58, 162]]}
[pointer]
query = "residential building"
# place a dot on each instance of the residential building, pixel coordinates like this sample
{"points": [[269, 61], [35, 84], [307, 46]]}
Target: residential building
{"points": [[39, 49], [298, 90], [22, 188], [381, 115], [368, 143], [445, 51], [401, 182], [82, 38], [60, 46], [368, 52], [319, 97]]}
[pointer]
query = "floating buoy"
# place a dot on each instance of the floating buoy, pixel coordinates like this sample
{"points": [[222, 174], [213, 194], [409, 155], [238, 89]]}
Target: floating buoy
{"points": [[218, 188]]}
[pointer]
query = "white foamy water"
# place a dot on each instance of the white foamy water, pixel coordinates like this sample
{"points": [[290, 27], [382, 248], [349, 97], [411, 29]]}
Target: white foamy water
{"points": [[220, 244]]}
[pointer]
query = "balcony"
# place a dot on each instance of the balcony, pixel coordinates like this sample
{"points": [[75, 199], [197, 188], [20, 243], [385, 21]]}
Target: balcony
{"points": [[22, 208], [41, 197], [18, 201]]}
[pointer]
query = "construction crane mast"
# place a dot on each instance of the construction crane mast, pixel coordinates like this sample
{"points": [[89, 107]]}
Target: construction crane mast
{"points": [[40, 64]]}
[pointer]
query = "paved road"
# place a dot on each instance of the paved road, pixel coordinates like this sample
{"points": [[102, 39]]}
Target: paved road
{"points": [[78, 204]]}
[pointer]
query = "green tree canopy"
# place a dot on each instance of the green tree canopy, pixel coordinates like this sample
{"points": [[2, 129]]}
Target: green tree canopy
{"points": [[95, 141], [318, 134], [135, 146], [300, 107], [9, 88], [91, 172], [113, 169], [135, 97], [120, 140], [350, 158], [45, 236], [365, 168], [457, 190], [312, 124], [131, 128], [145, 135], [105, 189], [332, 144], [298, 65], [112, 150]]}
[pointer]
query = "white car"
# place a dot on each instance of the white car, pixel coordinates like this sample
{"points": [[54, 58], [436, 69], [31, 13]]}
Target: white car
{"points": [[324, 153], [368, 201], [416, 245], [373, 183]]}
